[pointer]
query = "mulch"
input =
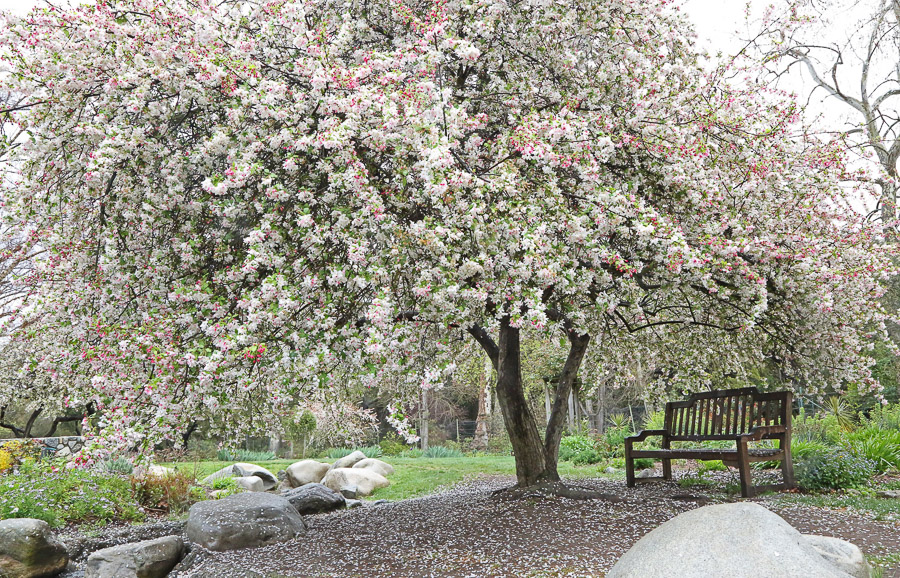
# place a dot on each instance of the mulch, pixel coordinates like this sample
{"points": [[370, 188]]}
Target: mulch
{"points": [[470, 531]]}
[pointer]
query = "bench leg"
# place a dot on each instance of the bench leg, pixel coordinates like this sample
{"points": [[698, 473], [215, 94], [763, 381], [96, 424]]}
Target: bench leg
{"points": [[629, 466], [747, 489], [787, 464], [667, 469]]}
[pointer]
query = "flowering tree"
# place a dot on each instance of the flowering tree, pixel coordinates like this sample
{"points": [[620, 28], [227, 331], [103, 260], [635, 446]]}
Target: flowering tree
{"points": [[243, 201]]}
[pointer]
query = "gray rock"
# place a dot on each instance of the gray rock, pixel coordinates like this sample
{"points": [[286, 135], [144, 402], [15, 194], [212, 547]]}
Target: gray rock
{"points": [[738, 540], [349, 461], [350, 492], [366, 481], [889, 494], [610, 470], [306, 472], [377, 466], [380, 502], [647, 473], [241, 470], [354, 504], [80, 546], [250, 483], [150, 559], [246, 520], [314, 499], [281, 475], [28, 549]]}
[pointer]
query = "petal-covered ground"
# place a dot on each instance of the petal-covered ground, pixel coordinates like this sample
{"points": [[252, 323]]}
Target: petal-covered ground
{"points": [[469, 531]]}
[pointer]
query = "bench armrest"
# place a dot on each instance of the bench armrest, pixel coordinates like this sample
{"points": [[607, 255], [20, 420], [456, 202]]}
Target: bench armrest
{"points": [[644, 434], [763, 431]]}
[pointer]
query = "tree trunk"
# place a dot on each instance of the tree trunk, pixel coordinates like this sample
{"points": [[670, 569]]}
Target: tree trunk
{"points": [[532, 465], [536, 459], [484, 409], [423, 430]]}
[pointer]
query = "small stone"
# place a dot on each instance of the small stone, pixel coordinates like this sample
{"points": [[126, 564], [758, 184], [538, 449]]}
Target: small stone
{"points": [[148, 559], [349, 461], [380, 502], [350, 492], [889, 494], [306, 472], [354, 504], [249, 483], [314, 499], [28, 549], [647, 473], [610, 470]]}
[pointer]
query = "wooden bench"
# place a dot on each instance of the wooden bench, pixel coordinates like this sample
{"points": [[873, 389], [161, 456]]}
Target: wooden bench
{"points": [[740, 415]]}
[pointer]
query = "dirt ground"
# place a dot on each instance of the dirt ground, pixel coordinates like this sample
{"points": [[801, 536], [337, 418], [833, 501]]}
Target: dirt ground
{"points": [[467, 531]]}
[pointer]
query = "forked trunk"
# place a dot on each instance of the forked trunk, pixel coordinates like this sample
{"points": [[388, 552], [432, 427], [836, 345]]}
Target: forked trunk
{"points": [[536, 459], [532, 465]]}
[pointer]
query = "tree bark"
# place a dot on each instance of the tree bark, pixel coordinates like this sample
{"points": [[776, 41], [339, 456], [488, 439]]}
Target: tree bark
{"points": [[578, 345], [532, 465]]}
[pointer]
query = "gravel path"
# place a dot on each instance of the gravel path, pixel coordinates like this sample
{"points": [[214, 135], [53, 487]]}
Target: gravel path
{"points": [[467, 531]]}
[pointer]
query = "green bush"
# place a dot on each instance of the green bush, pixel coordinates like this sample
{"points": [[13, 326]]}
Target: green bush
{"points": [[117, 466], [224, 484], [614, 440], [392, 445], [711, 466], [411, 453], [338, 453], [834, 469], [641, 463], [880, 446], [60, 496], [370, 451], [587, 457], [244, 456], [441, 452], [580, 450]]}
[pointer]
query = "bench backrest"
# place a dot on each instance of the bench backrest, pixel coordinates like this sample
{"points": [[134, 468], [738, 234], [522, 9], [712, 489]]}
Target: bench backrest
{"points": [[724, 414]]}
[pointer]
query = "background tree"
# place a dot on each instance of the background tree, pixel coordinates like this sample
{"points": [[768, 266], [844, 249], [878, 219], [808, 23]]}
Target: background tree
{"points": [[244, 203]]}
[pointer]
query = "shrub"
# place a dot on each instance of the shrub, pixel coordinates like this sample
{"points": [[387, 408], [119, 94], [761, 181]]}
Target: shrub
{"points": [[570, 446], [441, 452], [834, 469], [60, 496], [117, 466], [655, 420], [411, 453], [640, 463], [587, 457], [880, 446], [370, 451], [392, 445], [165, 493], [14, 452], [711, 466], [338, 453], [224, 484], [244, 456]]}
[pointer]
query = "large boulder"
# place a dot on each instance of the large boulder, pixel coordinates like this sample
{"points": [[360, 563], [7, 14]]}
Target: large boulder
{"points": [[349, 460], [739, 540], [28, 549], [148, 559], [377, 466], [314, 499], [306, 472], [241, 470], [246, 520], [366, 481]]}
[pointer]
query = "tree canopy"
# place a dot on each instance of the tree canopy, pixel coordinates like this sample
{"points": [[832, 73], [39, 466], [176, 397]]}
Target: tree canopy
{"points": [[244, 201]]}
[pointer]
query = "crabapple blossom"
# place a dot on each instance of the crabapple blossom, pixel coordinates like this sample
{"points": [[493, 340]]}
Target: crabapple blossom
{"points": [[253, 206]]}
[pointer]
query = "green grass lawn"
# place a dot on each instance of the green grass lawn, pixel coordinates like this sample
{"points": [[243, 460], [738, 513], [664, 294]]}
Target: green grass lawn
{"points": [[416, 477]]}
